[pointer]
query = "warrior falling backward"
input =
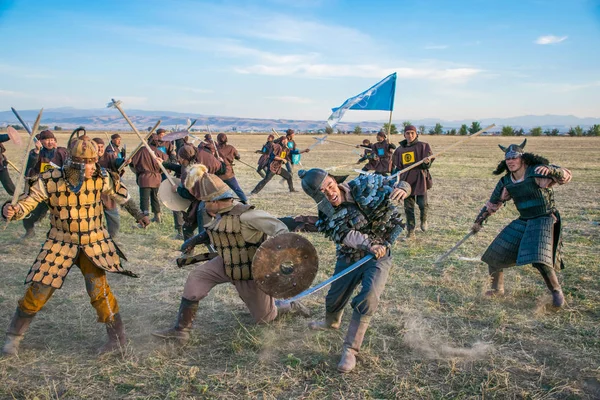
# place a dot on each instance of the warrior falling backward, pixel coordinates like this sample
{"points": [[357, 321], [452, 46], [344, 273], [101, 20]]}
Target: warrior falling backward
{"points": [[360, 217], [77, 236], [535, 237]]}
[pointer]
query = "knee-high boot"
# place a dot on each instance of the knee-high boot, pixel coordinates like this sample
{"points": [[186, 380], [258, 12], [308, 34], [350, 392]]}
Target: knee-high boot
{"points": [[497, 288], [185, 319], [15, 333], [552, 283], [352, 344], [116, 336]]}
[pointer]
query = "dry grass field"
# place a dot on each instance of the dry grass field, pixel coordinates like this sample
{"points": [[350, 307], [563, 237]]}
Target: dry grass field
{"points": [[435, 335]]}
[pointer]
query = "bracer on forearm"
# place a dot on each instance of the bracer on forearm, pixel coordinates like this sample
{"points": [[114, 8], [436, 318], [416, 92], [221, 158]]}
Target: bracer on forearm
{"points": [[133, 209]]}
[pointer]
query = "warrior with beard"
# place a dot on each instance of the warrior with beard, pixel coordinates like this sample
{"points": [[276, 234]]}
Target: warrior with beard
{"points": [[77, 236], [361, 217], [535, 237]]}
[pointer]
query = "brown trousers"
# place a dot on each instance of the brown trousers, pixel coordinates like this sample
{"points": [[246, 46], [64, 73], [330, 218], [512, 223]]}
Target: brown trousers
{"points": [[206, 276], [101, 297]]}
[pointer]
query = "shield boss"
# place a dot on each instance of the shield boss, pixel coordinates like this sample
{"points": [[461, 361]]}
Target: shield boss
{"points": [[285, 265], [172, 200]]}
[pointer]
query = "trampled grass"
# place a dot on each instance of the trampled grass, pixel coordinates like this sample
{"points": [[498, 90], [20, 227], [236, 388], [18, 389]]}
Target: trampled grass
{"points": [[434, 336]]}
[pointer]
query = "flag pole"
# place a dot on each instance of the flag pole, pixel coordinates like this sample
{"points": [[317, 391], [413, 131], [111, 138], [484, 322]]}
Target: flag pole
{"points": [[390, 124]]}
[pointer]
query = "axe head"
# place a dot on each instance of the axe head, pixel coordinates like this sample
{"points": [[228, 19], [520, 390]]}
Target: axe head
{"points": [[114, 103]]}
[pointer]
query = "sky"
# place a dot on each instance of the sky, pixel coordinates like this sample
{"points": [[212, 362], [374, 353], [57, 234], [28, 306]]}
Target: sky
{"points": [[296, 59]]}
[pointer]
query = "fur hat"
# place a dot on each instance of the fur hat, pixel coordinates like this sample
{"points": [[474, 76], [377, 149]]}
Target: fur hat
{"points": [[161, 130], [222, 138], [410, 128], [187, 152], [115, 136], [47, 134], [98, 140], [205, 186]]}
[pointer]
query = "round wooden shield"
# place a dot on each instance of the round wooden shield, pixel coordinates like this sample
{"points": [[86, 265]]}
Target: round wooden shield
{"points": [[172, 200], [14, 135], [285, 265], [169, 137]]}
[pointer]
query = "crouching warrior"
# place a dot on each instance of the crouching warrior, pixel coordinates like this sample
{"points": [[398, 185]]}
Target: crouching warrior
{"points": [[535, 237], [77, 236], [361, 217], [235, 231]]}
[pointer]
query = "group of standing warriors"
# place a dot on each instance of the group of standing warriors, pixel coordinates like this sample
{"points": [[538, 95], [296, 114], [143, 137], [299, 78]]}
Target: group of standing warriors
{"points": [[361, 217]]}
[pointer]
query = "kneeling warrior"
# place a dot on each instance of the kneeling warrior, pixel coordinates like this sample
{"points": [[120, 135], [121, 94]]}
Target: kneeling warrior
{"points": [[535, 237], [236, 231], [77, 237], [361, 217]]}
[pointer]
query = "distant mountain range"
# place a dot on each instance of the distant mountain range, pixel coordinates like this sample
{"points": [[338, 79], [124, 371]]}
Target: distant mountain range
{"points": [[69, 118]]}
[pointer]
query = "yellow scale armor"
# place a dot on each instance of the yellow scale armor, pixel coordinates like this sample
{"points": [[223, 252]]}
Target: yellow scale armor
{"points": [[76, 221], [226, 237]]}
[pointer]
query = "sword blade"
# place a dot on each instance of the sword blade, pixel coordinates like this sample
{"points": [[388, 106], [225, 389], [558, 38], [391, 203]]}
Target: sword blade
{"points": [[329, 281], [456, 246]]}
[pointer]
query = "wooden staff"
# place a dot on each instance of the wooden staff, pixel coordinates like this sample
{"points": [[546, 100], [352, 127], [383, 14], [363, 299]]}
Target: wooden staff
{"points": [[338, 142], [21, 181], [441, 152], [13, 165], [275, 132], [134, 152], [117, 104], [109, 141]]}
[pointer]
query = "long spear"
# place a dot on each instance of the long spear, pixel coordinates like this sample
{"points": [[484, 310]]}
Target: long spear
{"points": [[21, 181], [117, 104], [441, 152], [338, 142]]}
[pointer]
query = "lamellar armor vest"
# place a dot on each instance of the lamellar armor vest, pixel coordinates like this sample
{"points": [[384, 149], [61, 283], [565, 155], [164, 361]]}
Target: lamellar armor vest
{"points": [[373, 214], [76, 221], [531, 200], [226, 236]]}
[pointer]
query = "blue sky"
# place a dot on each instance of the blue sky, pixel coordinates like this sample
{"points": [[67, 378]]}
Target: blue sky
{"points": [[298, 58]]}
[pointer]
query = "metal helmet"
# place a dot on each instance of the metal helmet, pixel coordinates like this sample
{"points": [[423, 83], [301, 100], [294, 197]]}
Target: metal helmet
{"points": [[82, 150], [514, 150], [313, 179]]}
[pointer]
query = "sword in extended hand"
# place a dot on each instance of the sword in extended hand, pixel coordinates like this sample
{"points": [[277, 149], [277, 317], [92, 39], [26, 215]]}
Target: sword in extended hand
{"points": [[21, 182], [329, 281], [456, 246]]}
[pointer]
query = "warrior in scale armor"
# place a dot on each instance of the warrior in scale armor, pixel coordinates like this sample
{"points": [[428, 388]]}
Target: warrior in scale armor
{"points": [[535, 237]]}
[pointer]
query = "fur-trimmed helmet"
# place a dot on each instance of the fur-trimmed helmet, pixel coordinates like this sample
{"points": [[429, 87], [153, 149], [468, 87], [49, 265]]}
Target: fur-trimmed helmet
{"points": [[514, 150], [205, 186]]}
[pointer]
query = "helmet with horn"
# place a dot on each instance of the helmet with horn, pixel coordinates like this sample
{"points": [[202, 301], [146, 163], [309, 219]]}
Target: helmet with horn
{"points": [[82, 150], [514, 150]]}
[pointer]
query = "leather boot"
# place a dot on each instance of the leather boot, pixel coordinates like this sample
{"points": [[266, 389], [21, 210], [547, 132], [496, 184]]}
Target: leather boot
{"points": [[15, 333], [157, 218], [332, 321], [552, 283], [424, 224], [352, 343], [29, 233], [410, 236], [183, 325], [497, 288], [116, 336], [294, 306]]}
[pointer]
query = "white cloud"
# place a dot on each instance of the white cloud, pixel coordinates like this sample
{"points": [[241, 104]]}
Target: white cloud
{"points": [[361, 71], [290, 99], [566, 87], [550, 39]]}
